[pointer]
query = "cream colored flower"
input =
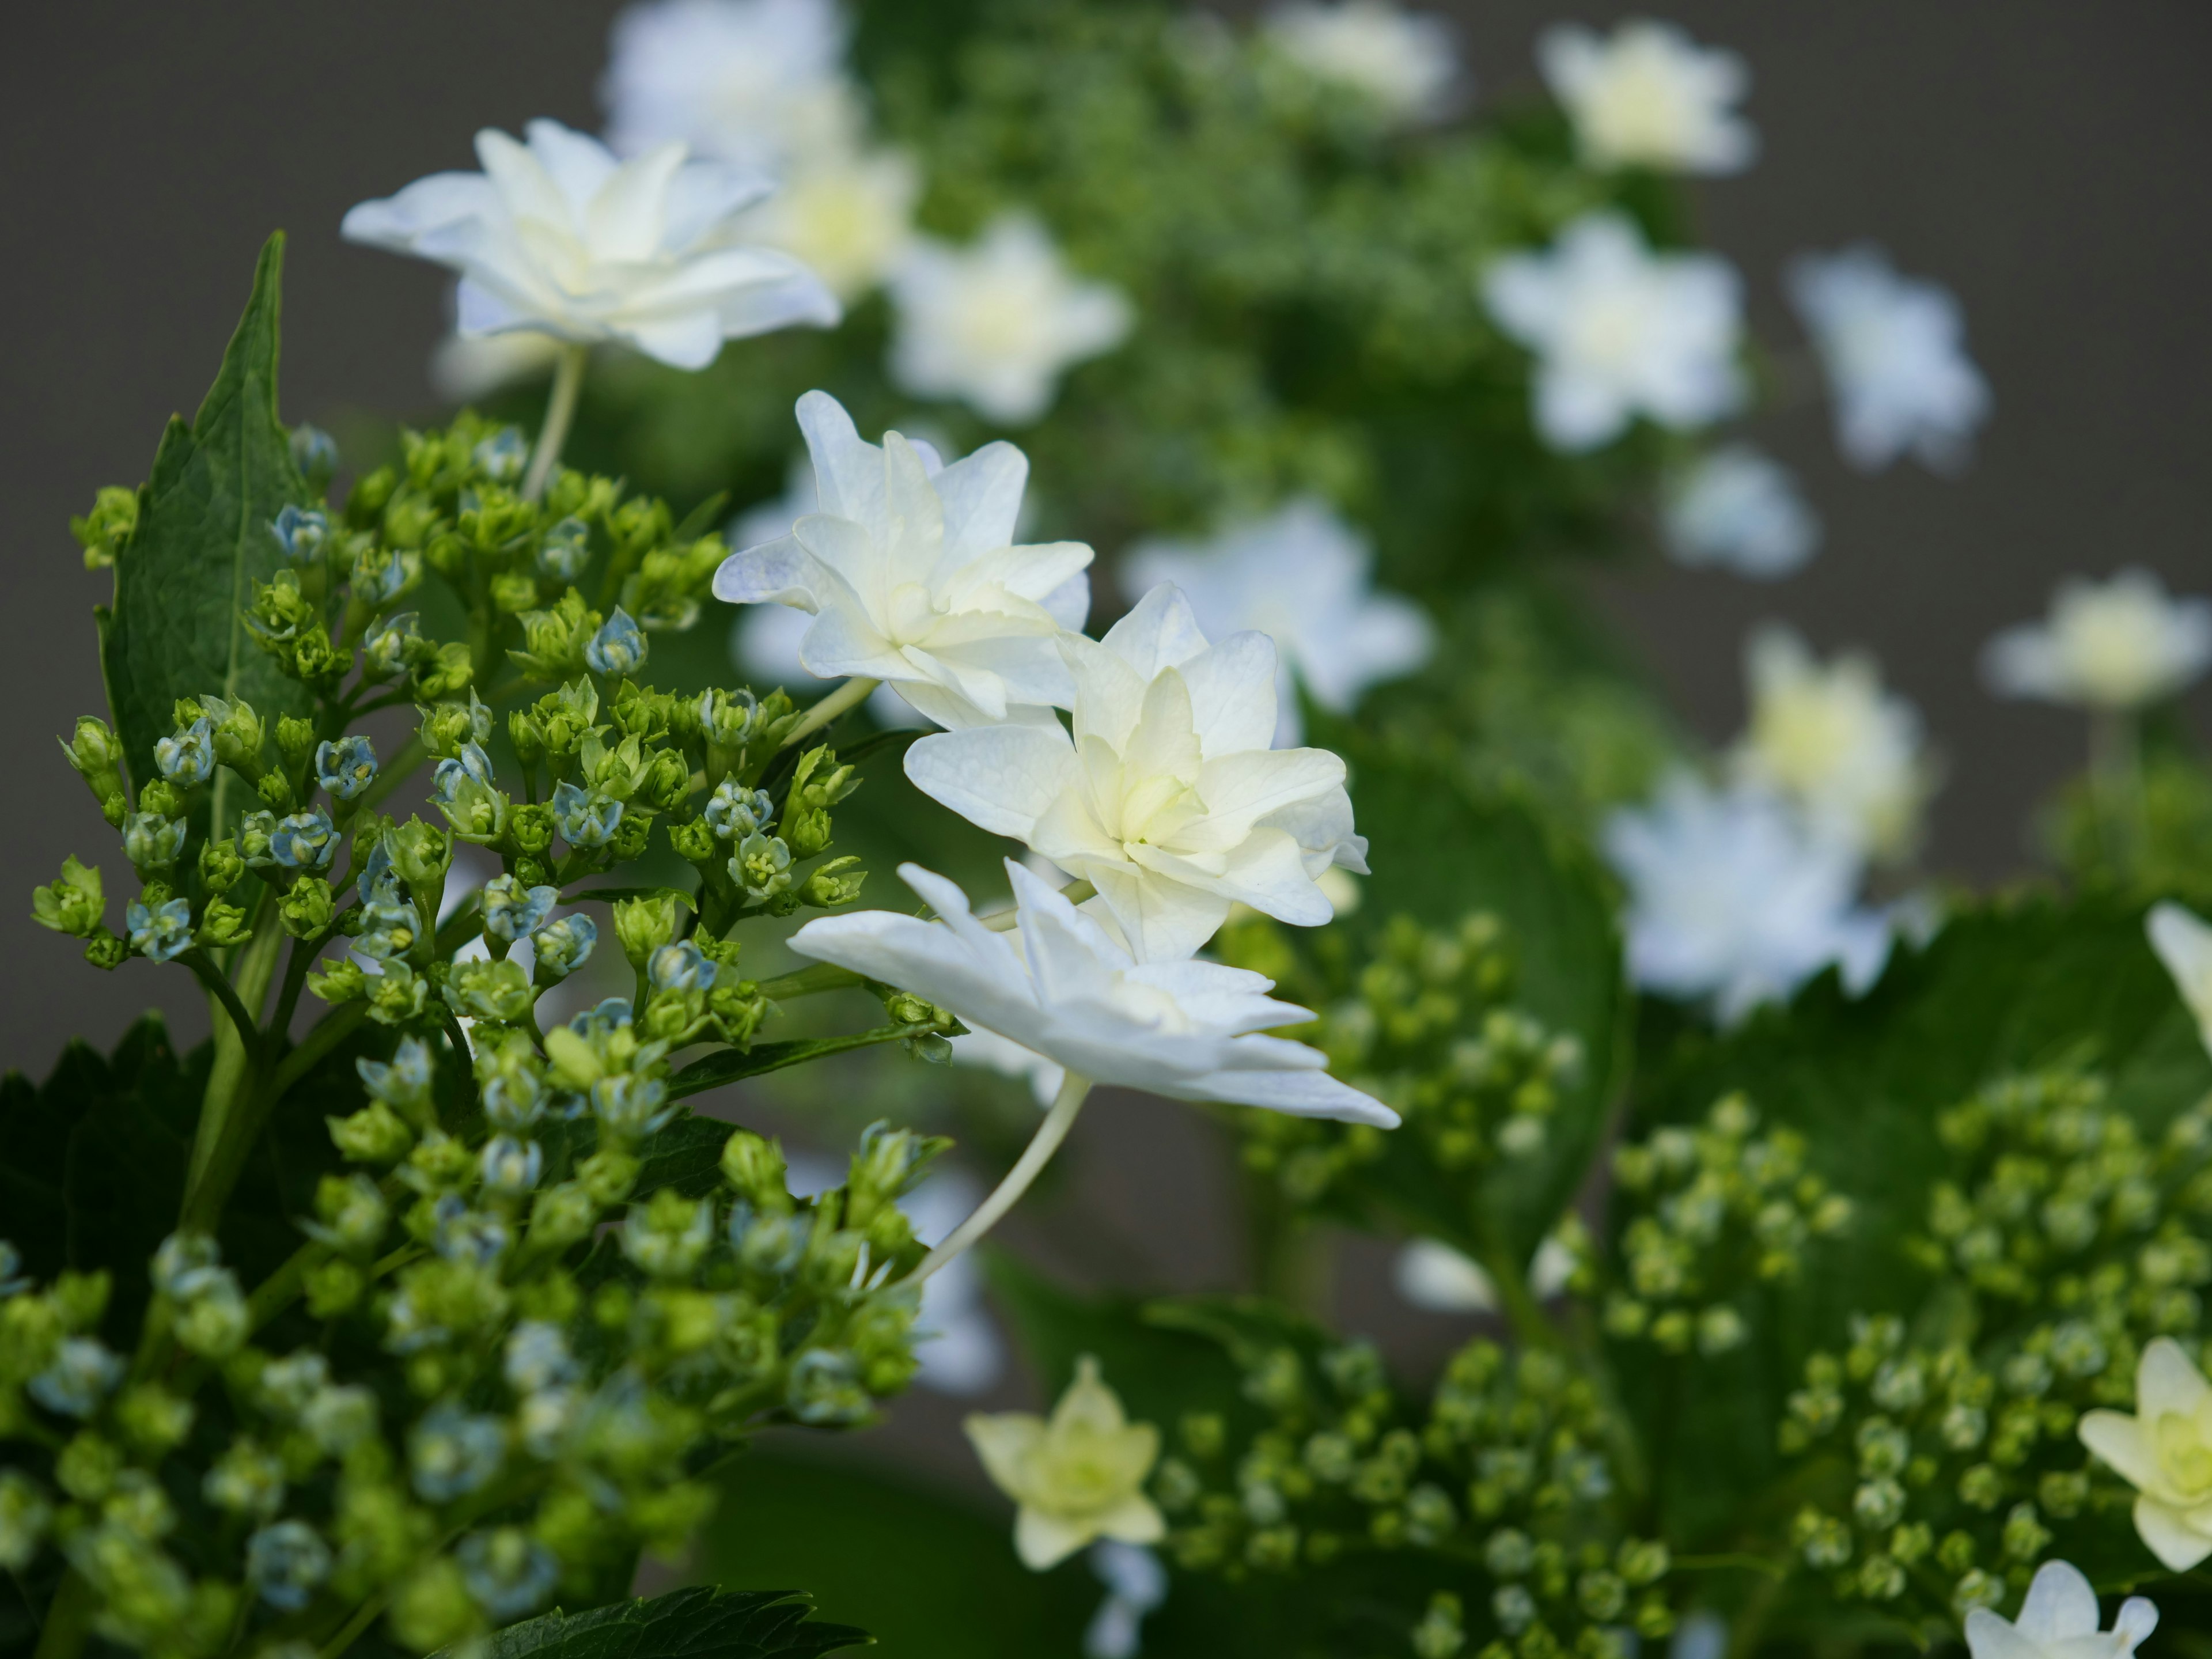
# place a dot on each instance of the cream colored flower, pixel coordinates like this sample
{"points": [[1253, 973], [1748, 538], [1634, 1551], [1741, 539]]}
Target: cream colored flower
{"points": [[1405, 63], [2165, 1452], [1649, 96], [2114, 645], [2059, 1619], [2183, 944], [847, 216], [1078, 1476], [1830, 739]]}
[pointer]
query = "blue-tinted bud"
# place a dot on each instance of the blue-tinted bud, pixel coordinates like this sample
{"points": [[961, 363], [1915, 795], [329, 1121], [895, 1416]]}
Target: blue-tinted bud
{"points": [[604, 1018], [12, 1277], [508, 1572], [186, 1265], [345, 768], [83, 1373], [286, 1563], [565, 551], [255, 832], [503, 455], [152, 842], [405, 1081], [188, 757], [511, 1167], [736, 811], [464, 793], [301, 532], [585, 820], [304, 841], [680, 967], [512, 911], [392, 645], [388, 931], [537, 1356], [468, 1237], [565, 945], [381, 575], [471, 764], [514, 1100], [762, 867], [453, 1453], [619, 647], [161, 934], [379, 882], [631, 1108], [315, 452]]}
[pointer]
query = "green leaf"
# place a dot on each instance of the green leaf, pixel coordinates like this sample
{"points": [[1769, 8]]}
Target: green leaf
{"points": [[698, 1623], [1440, 852], [2008, 987], [202, 539], [729, 1064]]}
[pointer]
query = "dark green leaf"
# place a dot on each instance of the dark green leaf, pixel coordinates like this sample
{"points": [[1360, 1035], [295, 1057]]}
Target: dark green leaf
{"points": [[202, 539], [699, 1623], [728, 1064]]}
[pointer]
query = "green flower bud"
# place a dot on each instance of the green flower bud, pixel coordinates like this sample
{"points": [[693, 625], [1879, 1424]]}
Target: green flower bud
{"points": [[161, 798], [666, 781], [333, 1288], [885, 1168], [644, 925], [762, 867], [273, 791], [105, 950], [102, 531], [695, 841], [152, 842], [449, 727], [342, 982], [374, 1134], [306, 909], [738, 1008], [490, 990], [528, 833], [224, 924], [397, 995], [563, 1215], [238, 733], [97, 758], [421, 855], [152, 1419], [608, 1177], [220, 868], [837, 882], [513, 592], [433, 1608], [754, 1167], [527, 737], [630, 837], [553, 640], [73, 904]]}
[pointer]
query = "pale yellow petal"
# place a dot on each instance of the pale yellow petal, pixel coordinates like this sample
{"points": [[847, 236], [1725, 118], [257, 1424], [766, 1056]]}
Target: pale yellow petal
{"points": [[1045, 1541], [1135, 1519], [2120, 1440], [2167, 1380], [1006, 1441], [2178, 1544]]}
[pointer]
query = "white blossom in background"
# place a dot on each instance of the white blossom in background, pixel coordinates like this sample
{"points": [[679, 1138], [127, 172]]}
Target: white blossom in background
{"points": [[1430, 1275], [908, 572], [994, 325], [1829, 738], [1406, 63], [761, 84], [847, 216], [1732, 898], [1739, 509], [1136, 1584], [559, 238], [1618, 332], [1167, 797], [2059, 1619], [1647, 95], [463, 369], [2183, 944], [2111, 645], [1304, 578], [2165, 1452], [1061, 987], [1894, 351]]}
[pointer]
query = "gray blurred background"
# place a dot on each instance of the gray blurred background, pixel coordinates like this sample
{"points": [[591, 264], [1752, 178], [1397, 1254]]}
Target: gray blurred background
{"points": [[2042, 158]]}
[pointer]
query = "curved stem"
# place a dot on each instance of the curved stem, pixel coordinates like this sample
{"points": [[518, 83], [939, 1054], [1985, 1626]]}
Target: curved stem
{"points": [[203, 969], [1038, 1153], [853, 692], [560, 410]]}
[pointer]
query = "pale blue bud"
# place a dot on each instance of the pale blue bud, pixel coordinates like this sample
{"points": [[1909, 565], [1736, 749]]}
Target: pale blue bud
{"points": [[301, 532], [825, 1387], [735, 812], [379, 883], [503, 455], [288, 1384], [161, 935], [680, 967], [382, 575], [339, 1418], [387, 931], [12, 1277], [454, 1453], [188, 757], [315, 452], [507, 1571], [467, 1235], [305, 840], [83, 1375], [345, 768], [604, 1018], [761, 865], [186, 1265], [471, 765], [405, 1082], [255, 832], [152, 842], [538, 1358], [565, 945], [286, 1562], [585, 820], [619, 647], [392, 646], [511, 1167], [512, 912], [631, 1108], [514, 1100], [565, 551]]}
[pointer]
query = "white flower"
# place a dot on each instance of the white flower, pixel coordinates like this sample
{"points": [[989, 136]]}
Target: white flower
{"points": [[1895, 354], [2059, 1620], [1077, 1476], [993, 1052], [1832, 741], [1302, 576], [2183, 944], [2112, 646], [995, 324], [2165, 1452], [1167, 797], [908, 574], [757, 83], [1731, 898], [765, 640], [465, 369], [1649, 96], [1406, 63], [1065, 990], [559, 238], [848, 217], [1430, 1275], [1741, 510], [1619, 332]]}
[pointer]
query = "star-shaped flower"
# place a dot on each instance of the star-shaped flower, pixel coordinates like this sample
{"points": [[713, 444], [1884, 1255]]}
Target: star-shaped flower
{"points": [[1649, 96], [1077, 1476], [2113, 645]]}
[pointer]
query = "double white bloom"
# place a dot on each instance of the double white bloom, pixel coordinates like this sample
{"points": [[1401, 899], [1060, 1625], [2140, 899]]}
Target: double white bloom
{"points": [[910, 571], [1649, 96], [1068, 991], [559, 237], [1739, 509], [2112, 646], [2165, 1452], [2059, 1620], [1619, 332], [1407, 65], [1167, 797]]}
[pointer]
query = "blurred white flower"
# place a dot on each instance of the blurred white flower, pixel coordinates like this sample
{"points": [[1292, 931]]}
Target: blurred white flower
{"points": [[463, 369], [910, 575], [1407, 63], [1649, 96], [559, 238], [2059, 1619], [2183, 944], [757, 83], [1741, 510], [1135, 1583], [2112, 646], [1619, 332], [1830, 739], [1895, 354], [1430, 1275], [848, 217], [1167, 797], [2165, 1452], [1061, 987], [1732, 897], [1302, 576], [996, 322]]}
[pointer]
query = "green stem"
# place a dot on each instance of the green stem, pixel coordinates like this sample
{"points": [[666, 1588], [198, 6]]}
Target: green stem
{"points": [[331, 1031], [560, 410], [2116, 784], [811, 982], [1057, 1122], [850, 695], [241, 1023], [69, 1618], [249, 985], [349, 1632], [393, 773]]}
